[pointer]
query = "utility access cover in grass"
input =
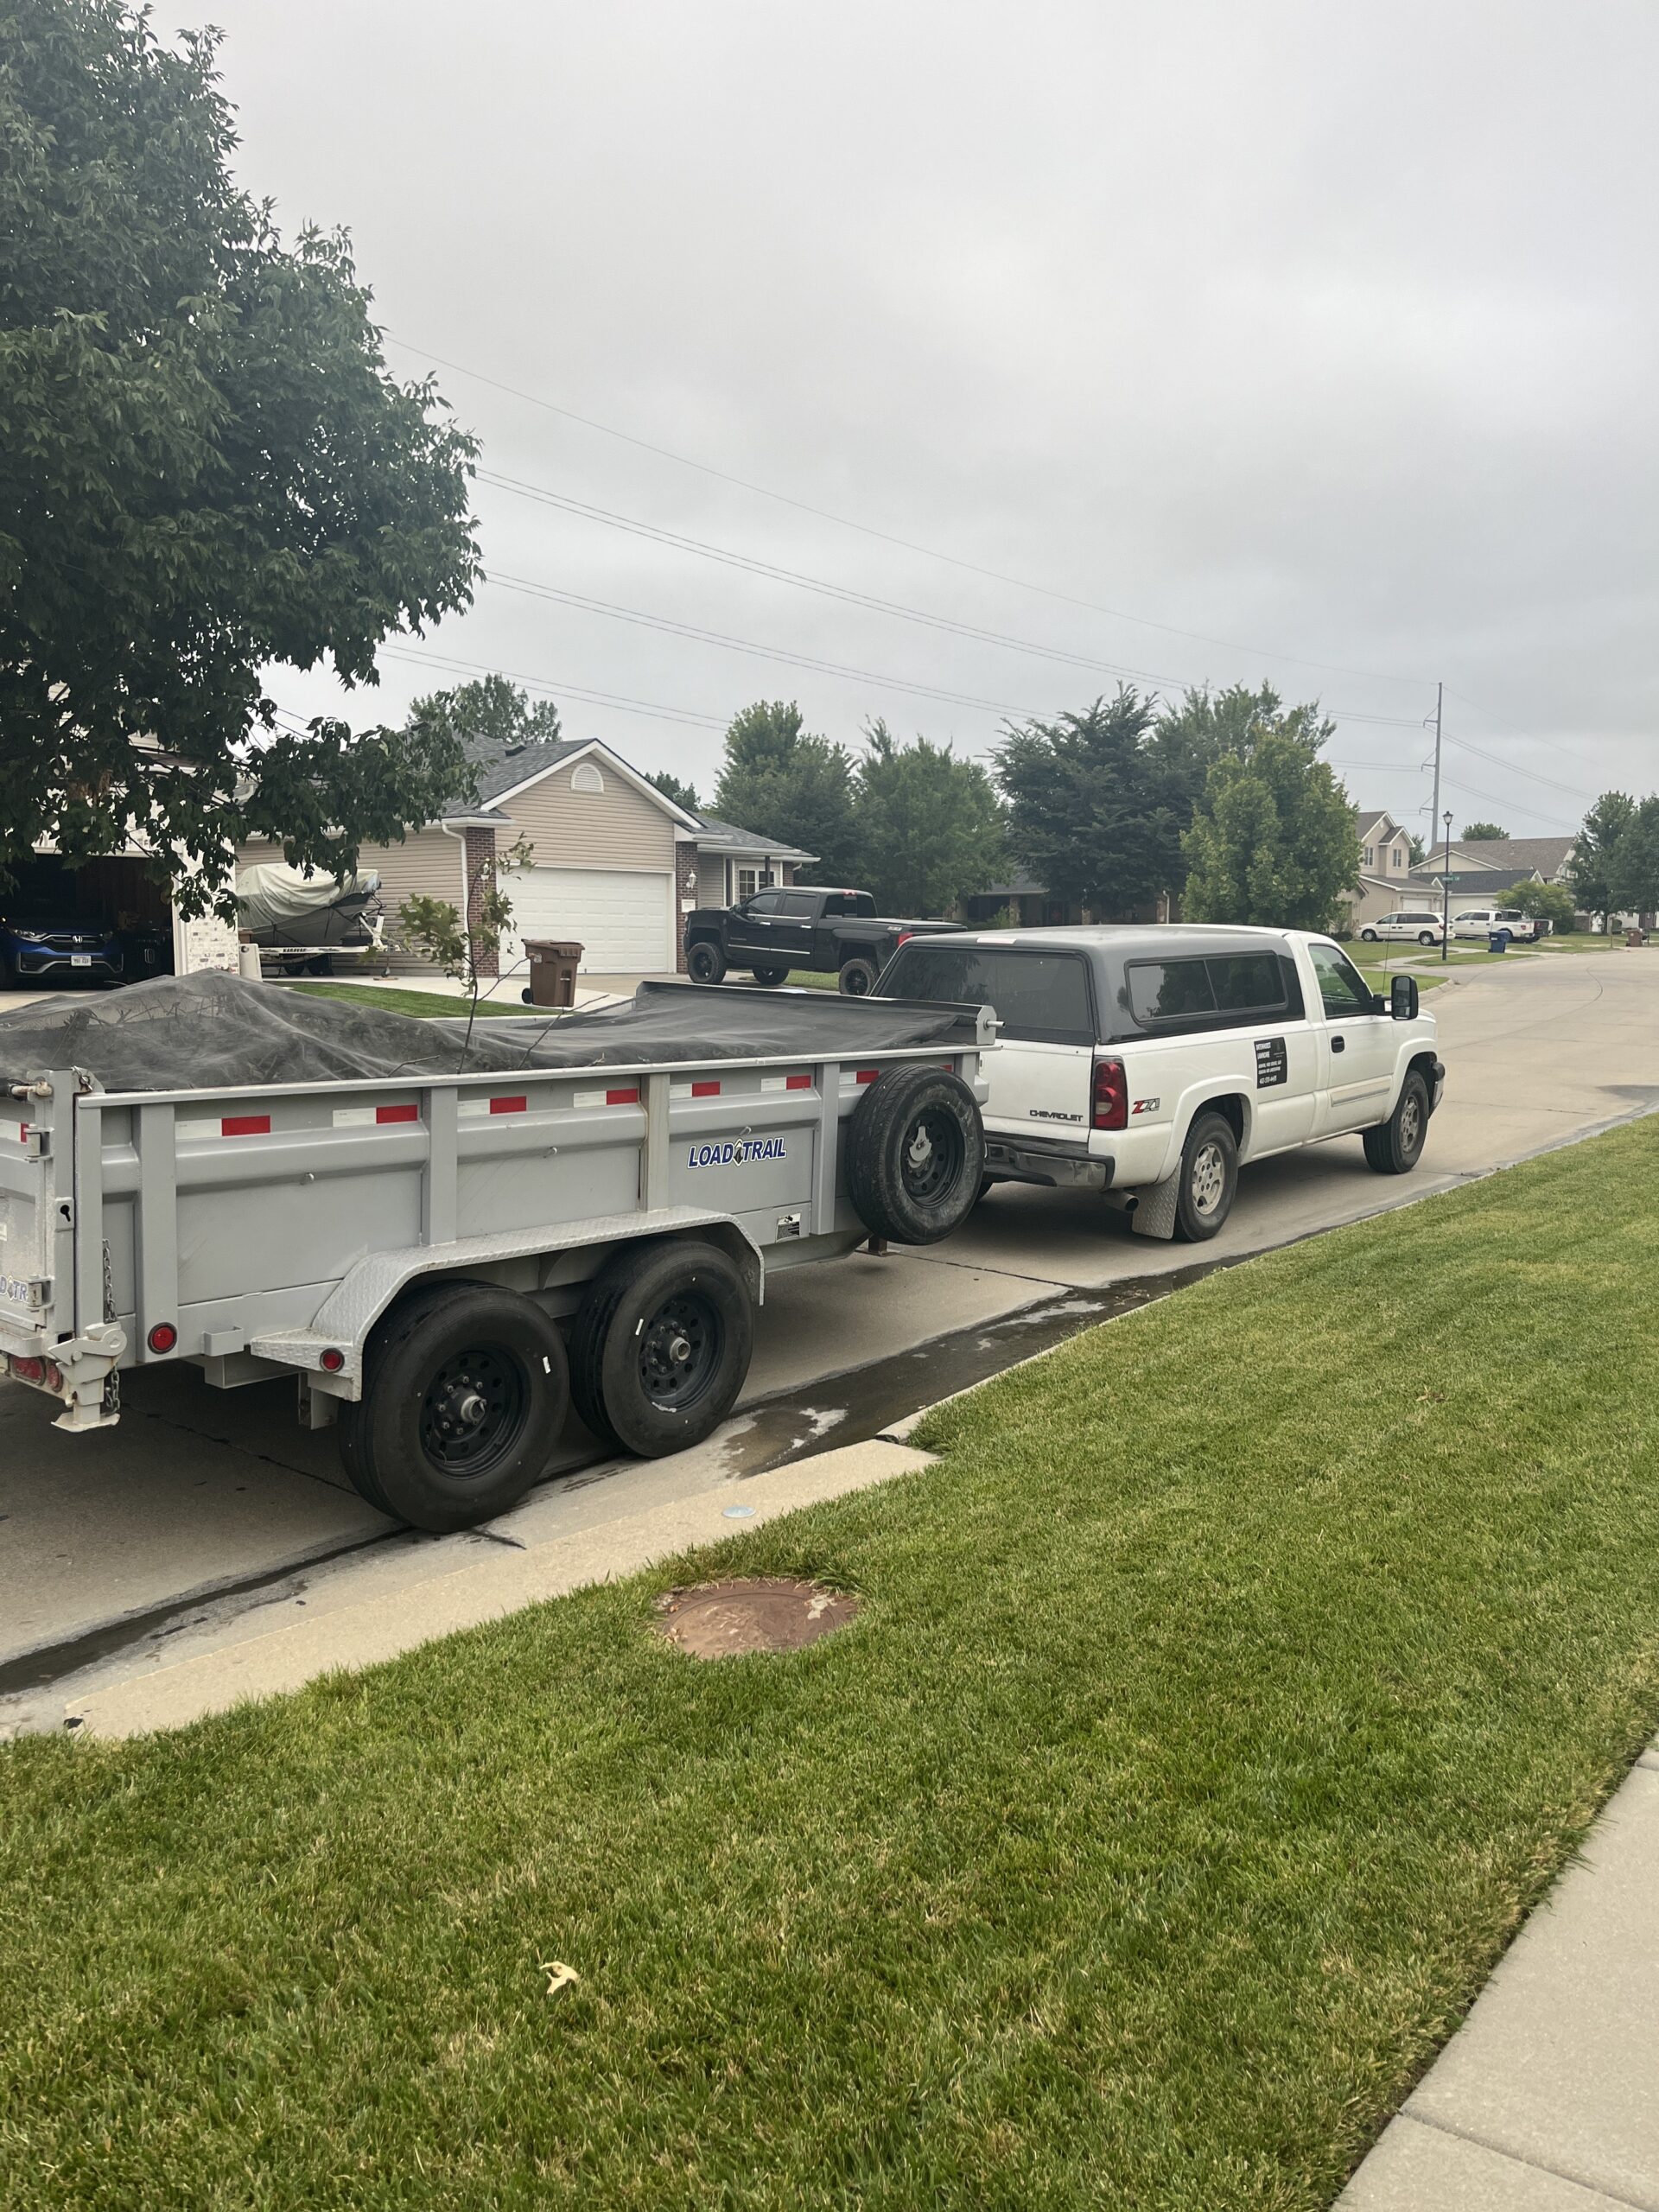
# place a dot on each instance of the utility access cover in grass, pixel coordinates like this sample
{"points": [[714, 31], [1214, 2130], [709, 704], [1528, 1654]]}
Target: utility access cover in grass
{"points": [[721, 1620]]}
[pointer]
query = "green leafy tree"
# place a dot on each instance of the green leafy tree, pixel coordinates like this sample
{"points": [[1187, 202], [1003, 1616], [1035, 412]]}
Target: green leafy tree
{"points": [[1481, 833], [205, 468], [777, 778], [1274, 840], [1418, 850], [1550, 902], [1095, 807], [930, 826], [487, 719], [1633, 870], [1590, 866], [684, 795]]}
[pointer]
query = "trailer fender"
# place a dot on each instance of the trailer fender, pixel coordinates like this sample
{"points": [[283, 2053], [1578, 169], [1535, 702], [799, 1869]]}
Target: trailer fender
{"points": [[330, 1352]]}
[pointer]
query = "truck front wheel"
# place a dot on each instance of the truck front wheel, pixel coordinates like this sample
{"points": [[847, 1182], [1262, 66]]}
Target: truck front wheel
{"points": [[466, 1389], [1209, 1178], [704, 961], [769, 976], [1395, 1146], [858, 975], [661, 1347]]}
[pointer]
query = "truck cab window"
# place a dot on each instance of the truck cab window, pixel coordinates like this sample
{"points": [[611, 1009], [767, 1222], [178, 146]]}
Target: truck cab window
{"points": [[1342, 988]]}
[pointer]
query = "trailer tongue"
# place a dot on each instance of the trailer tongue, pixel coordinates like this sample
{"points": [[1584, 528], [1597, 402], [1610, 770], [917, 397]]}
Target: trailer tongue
{"points": [[454, 1234]]}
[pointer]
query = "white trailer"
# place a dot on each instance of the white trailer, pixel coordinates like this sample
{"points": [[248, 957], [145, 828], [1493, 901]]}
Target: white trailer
{"points": [[450, 1263]]}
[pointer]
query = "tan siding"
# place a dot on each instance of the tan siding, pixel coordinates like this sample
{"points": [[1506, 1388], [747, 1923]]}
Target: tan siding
{"points": [[427, 864], [711, 879], [618, 827]]}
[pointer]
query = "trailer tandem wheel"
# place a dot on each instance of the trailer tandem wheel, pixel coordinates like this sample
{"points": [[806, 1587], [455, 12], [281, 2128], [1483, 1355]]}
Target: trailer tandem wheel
{"points": [[467, 1388], [661, 1347]]}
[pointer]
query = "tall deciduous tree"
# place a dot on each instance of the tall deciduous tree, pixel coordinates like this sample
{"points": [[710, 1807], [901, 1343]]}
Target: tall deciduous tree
{"points": [[684, 795], [930, 826], [780, 779], [1481, 833], [1274, 839], [205, 467], [1095, 807], [1590, 867], [487, 718]]}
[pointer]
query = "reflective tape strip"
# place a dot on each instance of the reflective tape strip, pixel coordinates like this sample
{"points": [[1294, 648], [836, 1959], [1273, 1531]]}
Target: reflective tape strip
{"points": [[849, 1082], [226, 1125], [786, 1083], [628, 1097], [367, 1117], [478, 1108], [705, 1089]]}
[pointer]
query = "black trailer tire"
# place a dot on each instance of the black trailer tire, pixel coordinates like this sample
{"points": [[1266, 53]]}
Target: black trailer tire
{"points": [[704, 961], [1395, 1146], [1208, 1177], [915, 1152], [467, 1390], [769, 976], [858, 976], [661, 1347]]}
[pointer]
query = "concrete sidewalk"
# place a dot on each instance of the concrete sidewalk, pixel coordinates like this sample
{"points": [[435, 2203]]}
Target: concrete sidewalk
{"points": [[1547, 2099]]}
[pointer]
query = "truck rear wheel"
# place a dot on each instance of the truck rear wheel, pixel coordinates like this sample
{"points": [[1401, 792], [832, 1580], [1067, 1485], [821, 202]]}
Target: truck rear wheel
{"points": [[1395, 1146], [915, 1151], [1208, 1177], [467, 1390], [704, 961], [769, 976], [661, 1347], [858, 976]]}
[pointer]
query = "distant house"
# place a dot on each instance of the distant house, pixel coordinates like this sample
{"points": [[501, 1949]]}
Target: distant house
{"points": [[1384, 869], [1482, 868], [1027, 900], [616, 865]]}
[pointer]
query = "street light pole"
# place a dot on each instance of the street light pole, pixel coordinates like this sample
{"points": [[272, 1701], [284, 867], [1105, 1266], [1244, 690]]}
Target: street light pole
{"points": [[1445, 891]]}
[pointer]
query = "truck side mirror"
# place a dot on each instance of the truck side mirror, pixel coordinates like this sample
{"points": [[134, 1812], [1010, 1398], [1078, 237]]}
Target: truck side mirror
{"points": [[1403, 998]]}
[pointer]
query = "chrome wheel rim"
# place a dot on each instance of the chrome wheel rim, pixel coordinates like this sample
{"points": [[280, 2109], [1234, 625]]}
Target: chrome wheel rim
{"points": [[1411, 1125], [1209, 1177]]}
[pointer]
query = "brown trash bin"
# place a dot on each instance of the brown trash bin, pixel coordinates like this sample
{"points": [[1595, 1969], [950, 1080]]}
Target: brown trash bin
{"points": [[552, 972]]}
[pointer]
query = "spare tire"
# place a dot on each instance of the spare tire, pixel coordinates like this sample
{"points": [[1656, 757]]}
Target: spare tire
{"points": [[915, 1151]]}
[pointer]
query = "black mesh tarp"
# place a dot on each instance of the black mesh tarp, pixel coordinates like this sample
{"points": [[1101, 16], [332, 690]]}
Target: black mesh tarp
{"points": [[210, 1032]]}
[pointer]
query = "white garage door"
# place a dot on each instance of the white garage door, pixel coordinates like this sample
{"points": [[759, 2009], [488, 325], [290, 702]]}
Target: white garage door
{"points": [[622, 917]]}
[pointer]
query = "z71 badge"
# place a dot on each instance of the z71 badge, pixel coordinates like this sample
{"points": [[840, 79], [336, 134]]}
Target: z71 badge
{"points": [[1146, 1105]]}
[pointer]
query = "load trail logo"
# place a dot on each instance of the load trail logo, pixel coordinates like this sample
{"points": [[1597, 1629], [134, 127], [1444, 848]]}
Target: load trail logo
{"points": [[742, 1153]]}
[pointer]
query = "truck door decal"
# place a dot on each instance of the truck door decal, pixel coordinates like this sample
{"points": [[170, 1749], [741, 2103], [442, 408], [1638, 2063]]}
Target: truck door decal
{"points": [[1272, 1062]]}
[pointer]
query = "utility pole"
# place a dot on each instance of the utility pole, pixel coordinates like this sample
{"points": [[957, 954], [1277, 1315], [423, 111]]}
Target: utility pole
{"points": [[1445, 892], [1434, 818]]}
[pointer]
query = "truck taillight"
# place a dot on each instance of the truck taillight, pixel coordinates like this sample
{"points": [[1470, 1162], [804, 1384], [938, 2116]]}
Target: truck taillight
{"points": [[903, 937], [1111, 1095]]}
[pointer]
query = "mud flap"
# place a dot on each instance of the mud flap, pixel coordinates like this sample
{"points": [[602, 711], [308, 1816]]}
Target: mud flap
{"points": [[1155, 1214]]}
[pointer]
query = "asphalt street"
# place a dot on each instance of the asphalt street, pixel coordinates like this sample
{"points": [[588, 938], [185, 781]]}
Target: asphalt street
{"points": [[109, 1540]]}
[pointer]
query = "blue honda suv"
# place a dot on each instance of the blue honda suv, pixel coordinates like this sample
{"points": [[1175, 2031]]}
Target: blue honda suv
{"points": [[43, 948]]}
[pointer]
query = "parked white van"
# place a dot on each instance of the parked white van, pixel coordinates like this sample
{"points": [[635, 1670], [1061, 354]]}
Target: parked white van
{"points": [[1150, 1064]]}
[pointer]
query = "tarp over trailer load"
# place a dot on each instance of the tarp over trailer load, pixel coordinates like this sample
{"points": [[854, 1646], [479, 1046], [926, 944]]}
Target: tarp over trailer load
{"points": [[207, 1032]]}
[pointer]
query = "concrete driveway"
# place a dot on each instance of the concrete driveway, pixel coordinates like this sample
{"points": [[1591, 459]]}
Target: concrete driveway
{"points": [[111, 1538]]}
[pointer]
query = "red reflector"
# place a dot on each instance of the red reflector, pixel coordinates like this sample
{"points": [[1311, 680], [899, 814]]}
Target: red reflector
{"points": [[631, 1097], [509, 1105], [797, 1083], [1111, 1095], [245, 1125], [396, 1113], [698, 1090], [865, 1075], [332, 1359], [162, 1337], [52, 1374], [27, 1370]]}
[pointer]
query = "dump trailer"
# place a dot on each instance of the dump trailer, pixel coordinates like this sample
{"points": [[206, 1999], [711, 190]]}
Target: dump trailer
{"points": [[479, 1227]]}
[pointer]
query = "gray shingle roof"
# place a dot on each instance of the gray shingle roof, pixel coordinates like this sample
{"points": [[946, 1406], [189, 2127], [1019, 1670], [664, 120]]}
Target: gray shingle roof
{"points": [[500, 767], [1508, 859], [715, 836]]}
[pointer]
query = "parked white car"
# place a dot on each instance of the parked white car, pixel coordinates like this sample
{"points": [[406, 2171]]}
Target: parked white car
{"points": [[1412, 925], [1481, 921], [1150, 1064]]}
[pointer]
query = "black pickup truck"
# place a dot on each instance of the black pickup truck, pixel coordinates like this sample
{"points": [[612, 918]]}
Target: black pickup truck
{"points": [[831, 932]]}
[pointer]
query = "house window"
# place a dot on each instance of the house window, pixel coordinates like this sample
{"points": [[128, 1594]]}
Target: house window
{"points": [[1397, 858], [587, 778], [750, 879], [1368, 856]]}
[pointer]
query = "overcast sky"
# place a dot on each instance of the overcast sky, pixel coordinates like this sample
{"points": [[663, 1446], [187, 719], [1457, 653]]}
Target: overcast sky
{"points": [[1324, 331]]}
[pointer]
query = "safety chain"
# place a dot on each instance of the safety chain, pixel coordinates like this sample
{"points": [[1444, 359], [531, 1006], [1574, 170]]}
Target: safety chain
{"points": [[112, 1380]]}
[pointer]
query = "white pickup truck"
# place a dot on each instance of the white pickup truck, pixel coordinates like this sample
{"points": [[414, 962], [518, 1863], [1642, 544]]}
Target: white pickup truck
{"points": [[1150, 1063]]}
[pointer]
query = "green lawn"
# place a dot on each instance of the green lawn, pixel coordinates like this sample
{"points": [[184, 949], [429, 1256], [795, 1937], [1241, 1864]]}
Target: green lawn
{"points": [[434, 1005], [1220, 1703]]}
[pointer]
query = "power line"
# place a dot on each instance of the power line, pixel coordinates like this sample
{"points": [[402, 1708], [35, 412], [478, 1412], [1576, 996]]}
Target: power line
{"points": [[887, 538], [851, 594], [553, 685], [1514, 768]]}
